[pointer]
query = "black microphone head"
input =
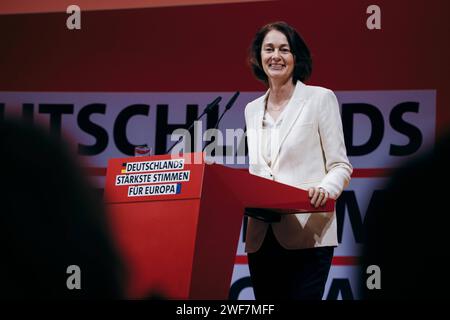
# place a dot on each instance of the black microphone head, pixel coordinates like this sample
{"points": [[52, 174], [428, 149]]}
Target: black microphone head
{"points": [[232, 100], [210, 106]]}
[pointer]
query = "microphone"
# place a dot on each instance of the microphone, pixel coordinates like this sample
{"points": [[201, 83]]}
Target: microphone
{"points": [[207, 110], [227, 107]]}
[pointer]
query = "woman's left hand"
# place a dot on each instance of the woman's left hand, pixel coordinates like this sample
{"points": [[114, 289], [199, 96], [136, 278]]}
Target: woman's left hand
{"points": [[318, 196]]}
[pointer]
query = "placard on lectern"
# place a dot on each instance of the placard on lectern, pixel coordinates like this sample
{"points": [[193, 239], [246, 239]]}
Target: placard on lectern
{"points": [[177, 221]]}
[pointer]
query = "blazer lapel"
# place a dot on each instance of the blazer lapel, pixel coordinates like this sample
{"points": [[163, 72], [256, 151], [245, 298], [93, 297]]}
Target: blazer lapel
{"points": [[258, 126], [292, 112]]}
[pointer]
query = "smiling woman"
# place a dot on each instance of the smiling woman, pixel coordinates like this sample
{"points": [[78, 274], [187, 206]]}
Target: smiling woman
{"points": [[292, 44], [276, 57], [290, 257]]}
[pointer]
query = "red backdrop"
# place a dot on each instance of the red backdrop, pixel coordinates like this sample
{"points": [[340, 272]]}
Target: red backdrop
{"points": [[203, 48]]}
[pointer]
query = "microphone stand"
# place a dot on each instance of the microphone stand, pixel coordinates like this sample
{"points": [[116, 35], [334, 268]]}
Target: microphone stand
{"points": [[206, 111], [227, 107]]}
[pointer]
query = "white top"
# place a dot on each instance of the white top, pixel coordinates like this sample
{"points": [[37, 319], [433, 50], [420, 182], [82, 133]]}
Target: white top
{"points": [[270, 132]]}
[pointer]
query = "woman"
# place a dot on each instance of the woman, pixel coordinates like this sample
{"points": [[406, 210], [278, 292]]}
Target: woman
{"points": [[294, 137]]}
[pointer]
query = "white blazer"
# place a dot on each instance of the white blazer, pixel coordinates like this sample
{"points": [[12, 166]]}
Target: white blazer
{"points": [[307, 151]]}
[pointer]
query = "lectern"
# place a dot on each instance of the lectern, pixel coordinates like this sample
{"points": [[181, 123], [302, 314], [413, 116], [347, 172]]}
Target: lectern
{"points": [[176, 221]]}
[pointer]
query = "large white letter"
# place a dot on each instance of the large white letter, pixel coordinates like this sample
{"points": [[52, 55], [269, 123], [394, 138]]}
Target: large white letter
{"points": [[235, 137], [216, 145], [74, 20], [373, 21], [74, 280], [183, 146], [374, 281]]}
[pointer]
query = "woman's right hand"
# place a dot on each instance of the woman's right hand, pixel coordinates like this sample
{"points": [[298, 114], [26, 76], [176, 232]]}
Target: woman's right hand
{"points": [[318, 196]]}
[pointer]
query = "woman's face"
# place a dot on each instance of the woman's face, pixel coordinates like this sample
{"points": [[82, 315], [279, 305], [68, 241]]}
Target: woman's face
{"points": [[276, 56]]}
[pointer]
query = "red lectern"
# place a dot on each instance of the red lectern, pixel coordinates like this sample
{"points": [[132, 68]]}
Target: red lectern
{"points": [[177, 221]]}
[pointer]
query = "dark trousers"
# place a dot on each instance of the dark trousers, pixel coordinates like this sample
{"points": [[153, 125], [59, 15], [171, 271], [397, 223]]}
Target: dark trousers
{"points": [[281, 274]]}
